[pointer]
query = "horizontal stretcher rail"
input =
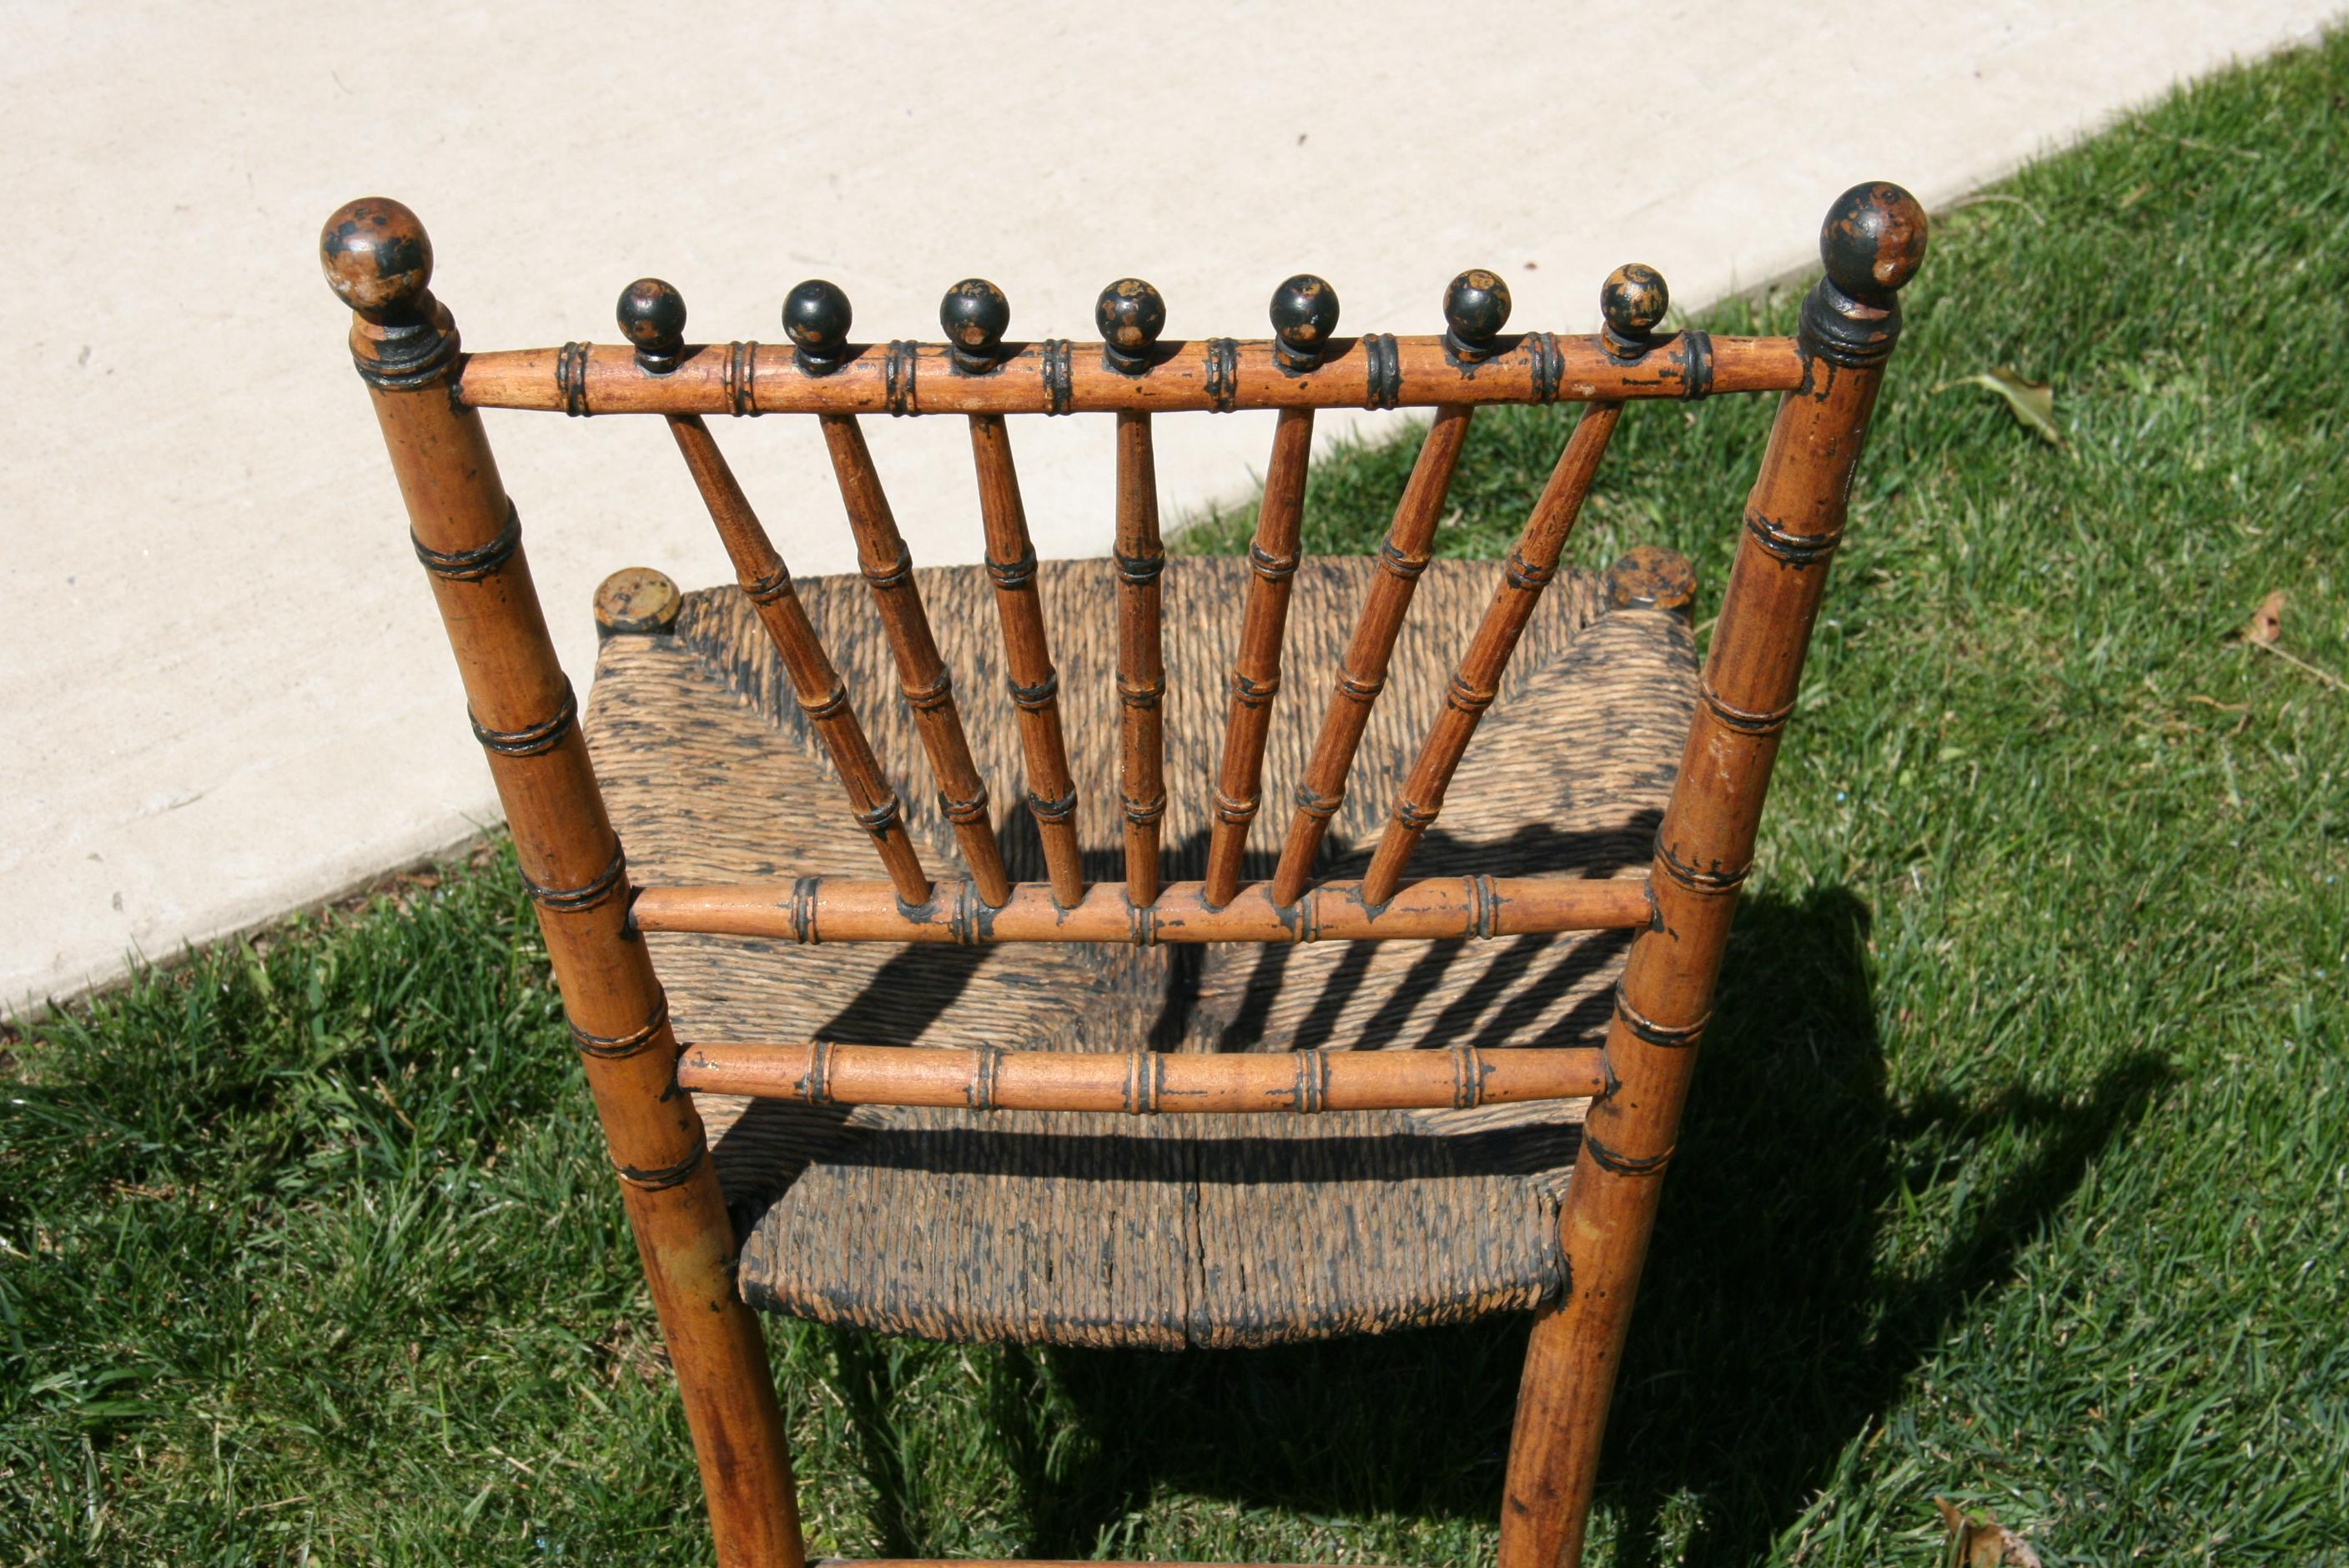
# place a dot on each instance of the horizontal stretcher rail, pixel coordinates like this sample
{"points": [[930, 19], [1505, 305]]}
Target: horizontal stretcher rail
{"points": [[863, 909], [1060, 377], [1142, 1083]]}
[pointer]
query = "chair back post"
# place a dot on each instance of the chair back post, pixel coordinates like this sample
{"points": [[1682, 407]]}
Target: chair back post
{"points": [[1871, 243], [378, 261]]}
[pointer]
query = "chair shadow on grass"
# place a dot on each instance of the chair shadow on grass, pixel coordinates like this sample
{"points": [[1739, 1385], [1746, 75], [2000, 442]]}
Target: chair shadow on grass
{"points": [[1768, 1335]]}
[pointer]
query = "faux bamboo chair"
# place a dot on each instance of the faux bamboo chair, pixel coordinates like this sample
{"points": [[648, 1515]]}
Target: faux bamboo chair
{"points": [[950, 1115]]}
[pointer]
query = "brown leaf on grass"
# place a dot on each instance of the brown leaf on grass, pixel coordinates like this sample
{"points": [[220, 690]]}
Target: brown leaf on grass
{"points": [[2265, 630], [2032, 402], [2266, 625], [1984, 1543]]}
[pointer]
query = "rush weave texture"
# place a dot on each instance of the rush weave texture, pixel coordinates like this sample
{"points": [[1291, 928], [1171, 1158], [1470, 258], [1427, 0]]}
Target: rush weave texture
{"points": [[1096, 1229]]}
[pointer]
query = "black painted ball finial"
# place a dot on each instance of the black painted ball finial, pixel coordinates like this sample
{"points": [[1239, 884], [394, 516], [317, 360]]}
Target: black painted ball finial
{"points": [[1873, 240], [378, 259], [1476, 308], [652, 317], [1633, 299], [974, 315], [816, 316], [1304, 319], [1131, 316]]}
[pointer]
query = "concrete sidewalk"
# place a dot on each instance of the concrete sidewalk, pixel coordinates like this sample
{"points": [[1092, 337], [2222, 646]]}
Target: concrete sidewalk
{"points": [[227, 693]]}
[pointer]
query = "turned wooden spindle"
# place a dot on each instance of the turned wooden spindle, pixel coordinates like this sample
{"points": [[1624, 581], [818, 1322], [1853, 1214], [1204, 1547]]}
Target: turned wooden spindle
{"points": [[1304, 315], [467, 536], [1131, 314], [816, 315], [1531, 566], [1871, 243], [1476, 308], [974, 315], [652, 316]]}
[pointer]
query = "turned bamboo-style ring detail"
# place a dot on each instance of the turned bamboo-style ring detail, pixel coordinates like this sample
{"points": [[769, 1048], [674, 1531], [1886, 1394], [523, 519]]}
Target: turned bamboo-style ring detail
{"points": [[1131, 314], [1476, 308], [974, 316], [816, 317], [1633, 300], [652, 317], [1871, 243], [1304, 317]]}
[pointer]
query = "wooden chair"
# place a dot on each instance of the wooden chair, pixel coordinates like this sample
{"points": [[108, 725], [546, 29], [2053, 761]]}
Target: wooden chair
{"points": [[950, 1115]]}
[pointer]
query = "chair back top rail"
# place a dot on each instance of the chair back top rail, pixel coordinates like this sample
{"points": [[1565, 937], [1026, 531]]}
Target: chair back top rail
{"points": [[1218, 375]]}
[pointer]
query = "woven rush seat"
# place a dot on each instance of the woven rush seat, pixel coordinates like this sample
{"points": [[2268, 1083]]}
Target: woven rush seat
{"points": [[1100, 1229]]}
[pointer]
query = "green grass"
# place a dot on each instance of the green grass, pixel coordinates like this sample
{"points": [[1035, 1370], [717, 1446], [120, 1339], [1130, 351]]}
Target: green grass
{"points": [[2018, 1170]]}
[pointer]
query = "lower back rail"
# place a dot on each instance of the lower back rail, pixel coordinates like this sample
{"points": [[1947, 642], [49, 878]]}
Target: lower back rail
{"points": [[1142, 1083], [860, 909]]}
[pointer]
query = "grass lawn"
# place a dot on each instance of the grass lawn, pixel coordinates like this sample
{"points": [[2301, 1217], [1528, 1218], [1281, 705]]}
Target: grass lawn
{"points": [[306, 1245]]}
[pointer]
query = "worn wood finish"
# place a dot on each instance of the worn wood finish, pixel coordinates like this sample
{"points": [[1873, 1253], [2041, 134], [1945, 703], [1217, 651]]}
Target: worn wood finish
{"points": [[840, 909], [1140, 657], [1363, 675], [1532, 564], [1177, 1228], [888, 568], [1871, 243], [1273, 555], [1213, 374], [1034, 685], [465, 530], [1139, 1083], [767, 582]]}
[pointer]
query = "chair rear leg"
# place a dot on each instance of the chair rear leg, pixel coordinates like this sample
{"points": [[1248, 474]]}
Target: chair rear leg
{"points": [[1871, 243], [467, 534]]}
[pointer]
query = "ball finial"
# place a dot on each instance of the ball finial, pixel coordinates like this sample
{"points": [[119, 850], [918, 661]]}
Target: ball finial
{"points": [[652, 317], [816, 316], [1633, 300], [1131, 316], [974, 315], [637, 601], [1304, 315], [1651, 578], [1476, 308], [1873, 240], [378, 258]]}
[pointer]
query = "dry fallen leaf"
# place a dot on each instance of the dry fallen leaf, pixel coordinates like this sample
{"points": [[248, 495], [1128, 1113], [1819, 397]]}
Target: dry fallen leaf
{"points": [[2266, 625], [2032, 402], [1984, 1544]]}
